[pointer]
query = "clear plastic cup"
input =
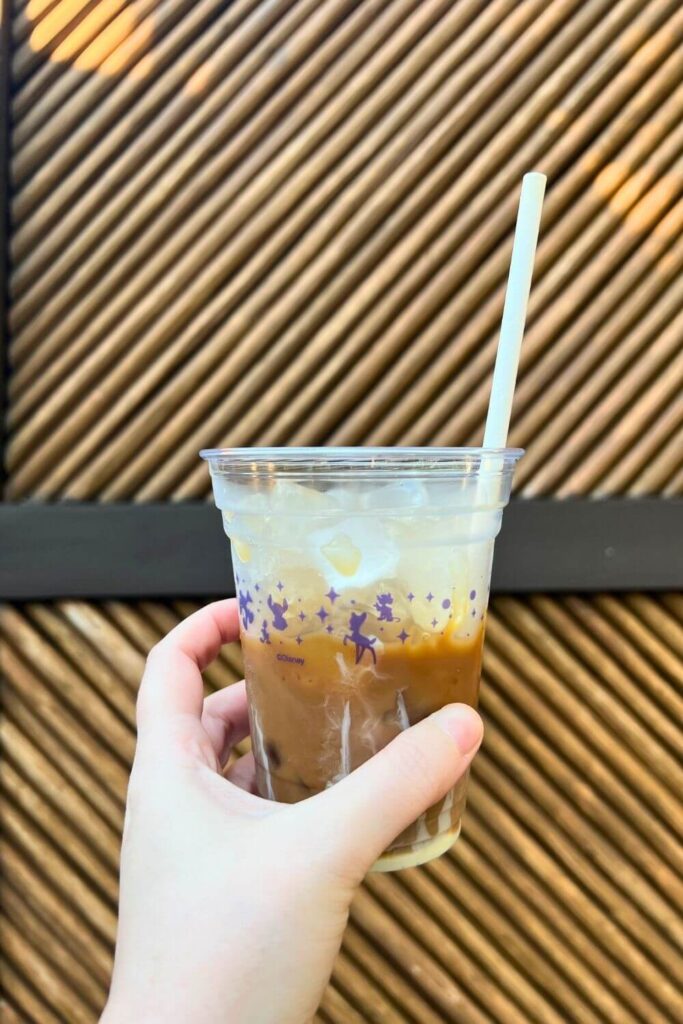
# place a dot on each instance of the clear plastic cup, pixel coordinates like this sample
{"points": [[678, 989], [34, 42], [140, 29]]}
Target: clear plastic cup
{"points": [[362, 576]]}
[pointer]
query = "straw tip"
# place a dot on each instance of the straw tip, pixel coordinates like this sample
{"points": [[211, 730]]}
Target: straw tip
{"points": [[535, 176]]}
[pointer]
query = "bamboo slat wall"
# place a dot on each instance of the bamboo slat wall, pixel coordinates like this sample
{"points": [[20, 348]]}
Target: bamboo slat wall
{"points": [[290, 221], [562, 902]]}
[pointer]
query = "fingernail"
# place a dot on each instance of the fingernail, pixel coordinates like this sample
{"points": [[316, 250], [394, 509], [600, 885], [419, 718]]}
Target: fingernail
{"points": [[463, 725]]}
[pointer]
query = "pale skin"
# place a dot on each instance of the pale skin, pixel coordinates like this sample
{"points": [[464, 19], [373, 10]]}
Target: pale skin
{"points": [[233, 907]]}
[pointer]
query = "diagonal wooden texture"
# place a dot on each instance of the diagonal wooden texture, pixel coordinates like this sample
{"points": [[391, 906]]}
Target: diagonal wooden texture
{"points": [[561, 902], [289, 221]]}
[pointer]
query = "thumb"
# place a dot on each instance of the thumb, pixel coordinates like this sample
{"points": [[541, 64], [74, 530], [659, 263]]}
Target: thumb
{"points": [[371, 806]]}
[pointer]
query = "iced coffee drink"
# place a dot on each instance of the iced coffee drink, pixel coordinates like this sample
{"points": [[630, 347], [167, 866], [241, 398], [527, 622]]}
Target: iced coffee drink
{"points": [[362, 578]]}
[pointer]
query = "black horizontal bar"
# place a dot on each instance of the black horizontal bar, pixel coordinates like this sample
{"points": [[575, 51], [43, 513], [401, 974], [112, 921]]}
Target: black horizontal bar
{"points": [[179, 550]]}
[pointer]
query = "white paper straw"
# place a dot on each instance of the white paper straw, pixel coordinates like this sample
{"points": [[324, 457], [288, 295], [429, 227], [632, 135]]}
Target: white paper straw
{"points": [[514, 310]]}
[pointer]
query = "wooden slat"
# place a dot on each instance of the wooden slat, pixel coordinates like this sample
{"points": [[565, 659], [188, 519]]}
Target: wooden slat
{"points": [[30, 1006], [25, 792], [98, 917], [360, 374], [74, 690], [403, 950], [648, 466], [116, 37], [651, 645], [600, 714], [366, 1001], [9, 1013], [647, 684], [594, 855], [585, 932], [76, 975], [59, 913], [475, 326], [308, 207], [462, 931], [397, 988], [266, 181], [336, 1009], [562, 901], [557, 970], [662, 623], [42, 714], [592, 786]]}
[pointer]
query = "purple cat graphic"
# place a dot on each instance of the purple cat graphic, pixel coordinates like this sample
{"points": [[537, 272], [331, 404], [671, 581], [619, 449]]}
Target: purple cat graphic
{"points": [[383, 607], [363, 643], [246, 614], [278, 610]]}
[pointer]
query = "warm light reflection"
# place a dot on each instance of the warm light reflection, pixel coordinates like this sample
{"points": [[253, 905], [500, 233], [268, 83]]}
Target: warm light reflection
{"points": [[622, 188], [198, 83], [35, 8], [557, 118], [62, 16], [96, 43]]}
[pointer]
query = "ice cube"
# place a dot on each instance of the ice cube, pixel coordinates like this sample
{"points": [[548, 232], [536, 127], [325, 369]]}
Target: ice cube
{"points": [[342, 554], [232, 497], [355, 553], [292, 499], [400, 496]]}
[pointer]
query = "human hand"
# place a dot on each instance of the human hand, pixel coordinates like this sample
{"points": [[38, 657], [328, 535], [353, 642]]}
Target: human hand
{"points": [[232, 907]]}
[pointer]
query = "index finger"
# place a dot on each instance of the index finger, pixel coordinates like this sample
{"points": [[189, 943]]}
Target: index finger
{"points": [[172, 681]]}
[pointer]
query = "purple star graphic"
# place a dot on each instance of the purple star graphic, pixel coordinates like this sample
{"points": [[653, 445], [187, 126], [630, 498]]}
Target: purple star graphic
{"points": [[445, 603], [280, 585], [256, 587], [411, 596], [473, 594], [322, 614], [329, 628], [299, 640], [302, 616], [403, 636], [430, 596], [332, 594], [433, 622]]}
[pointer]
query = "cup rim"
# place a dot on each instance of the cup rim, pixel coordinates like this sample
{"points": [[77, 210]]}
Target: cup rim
{"points": [[357, 459]]}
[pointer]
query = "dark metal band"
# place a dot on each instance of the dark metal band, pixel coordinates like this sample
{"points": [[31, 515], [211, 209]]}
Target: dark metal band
{"points": [[179, 550]]}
